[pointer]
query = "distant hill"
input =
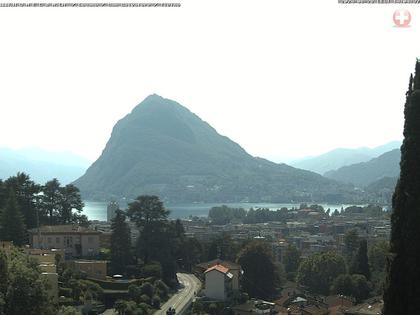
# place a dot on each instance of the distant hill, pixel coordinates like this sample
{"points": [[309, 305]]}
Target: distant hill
{"points": [[162, 148], [337, 158], [366, 173], [383, 184], [42, 165]]}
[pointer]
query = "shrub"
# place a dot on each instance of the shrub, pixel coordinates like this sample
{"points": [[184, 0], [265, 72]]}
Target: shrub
{"points": [[156, 301], [147, 289], [144, 298]]}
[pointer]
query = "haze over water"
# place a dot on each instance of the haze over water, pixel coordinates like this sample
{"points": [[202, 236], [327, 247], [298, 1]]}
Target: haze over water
{"points": [[96, 210]]}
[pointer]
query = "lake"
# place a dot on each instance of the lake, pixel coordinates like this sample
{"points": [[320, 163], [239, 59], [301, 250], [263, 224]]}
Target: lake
{"points": [[96, 210]]}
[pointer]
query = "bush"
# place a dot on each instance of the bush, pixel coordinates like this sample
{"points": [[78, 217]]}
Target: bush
{"points": [[161, 289], [152, 270], [144, 298], [134, 292], [352, 285], [156, 302], [147, 289]]}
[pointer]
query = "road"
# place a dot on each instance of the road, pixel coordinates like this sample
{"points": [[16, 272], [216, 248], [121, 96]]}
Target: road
{"points": [[190, 285]]}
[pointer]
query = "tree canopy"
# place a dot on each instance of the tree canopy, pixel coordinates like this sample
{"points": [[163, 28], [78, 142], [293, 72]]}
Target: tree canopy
{"points": [[12, 222], [22, 288], [261, 276], [318, 271]]}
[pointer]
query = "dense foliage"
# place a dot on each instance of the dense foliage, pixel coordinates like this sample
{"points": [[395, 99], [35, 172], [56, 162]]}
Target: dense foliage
{"points": [[403, 290], [160, 240], [354, 285], [318, 271], [25, 204], [291, 259], [261, 276], [12, 222], [222, 215], [22, 290]]}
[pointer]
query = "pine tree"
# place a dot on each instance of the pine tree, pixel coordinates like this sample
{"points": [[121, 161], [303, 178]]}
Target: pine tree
{"points": [[13, 228], [120, 243], [402, 290], [25, 191], [360, 263]]}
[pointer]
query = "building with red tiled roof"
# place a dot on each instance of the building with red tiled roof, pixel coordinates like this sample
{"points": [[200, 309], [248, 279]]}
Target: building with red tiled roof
{"points": [[218, 282], [219, 268], [233, 269]]}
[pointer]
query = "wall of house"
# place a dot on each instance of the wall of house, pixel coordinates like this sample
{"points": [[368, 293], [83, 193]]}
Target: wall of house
{"points": [[90, 245], [215, 285], [235, 279]]}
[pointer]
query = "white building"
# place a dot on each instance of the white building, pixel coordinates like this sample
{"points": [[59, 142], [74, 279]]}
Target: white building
{"points": [[74, 240], [218, 282], [111, 210]]}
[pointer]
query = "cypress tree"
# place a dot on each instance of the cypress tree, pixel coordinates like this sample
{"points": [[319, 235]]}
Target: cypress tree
{"points": [[402, 290], [360, 263], [120, 243], [13, 229]]}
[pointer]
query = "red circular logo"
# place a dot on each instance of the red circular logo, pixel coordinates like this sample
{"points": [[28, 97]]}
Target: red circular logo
{"points": [[402, 18]]}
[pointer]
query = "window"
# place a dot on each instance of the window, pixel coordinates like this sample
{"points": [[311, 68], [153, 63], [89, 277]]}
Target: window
{"points": [[68, 241], [49, 240]]}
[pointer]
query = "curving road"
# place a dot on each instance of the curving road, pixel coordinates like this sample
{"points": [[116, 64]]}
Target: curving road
{"points": [[190, 285]]}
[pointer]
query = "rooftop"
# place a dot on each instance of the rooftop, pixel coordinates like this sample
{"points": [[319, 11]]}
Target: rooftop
{"points": [[219, 268], [63, 229], [227, 264]]}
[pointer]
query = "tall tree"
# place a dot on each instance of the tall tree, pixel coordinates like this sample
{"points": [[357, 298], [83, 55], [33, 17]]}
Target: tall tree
{"points": [[291, 258], [51, 200], [260, 277], [402, 290], [149, 214], [360, 264], [26, 193], [13, 227], [351, 243], [70, 200], [58, 204], [378, 254], [120, 243]]}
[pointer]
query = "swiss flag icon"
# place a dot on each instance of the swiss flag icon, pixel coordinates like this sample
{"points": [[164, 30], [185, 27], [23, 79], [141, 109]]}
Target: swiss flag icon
{"points": [[402, 18]]}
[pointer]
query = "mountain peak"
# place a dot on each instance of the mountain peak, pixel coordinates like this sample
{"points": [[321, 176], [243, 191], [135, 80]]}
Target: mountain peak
{"points": [[164, 149]]}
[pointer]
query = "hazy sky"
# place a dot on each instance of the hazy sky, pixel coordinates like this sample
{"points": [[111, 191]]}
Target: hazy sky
{"points": [[282, 78]]}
